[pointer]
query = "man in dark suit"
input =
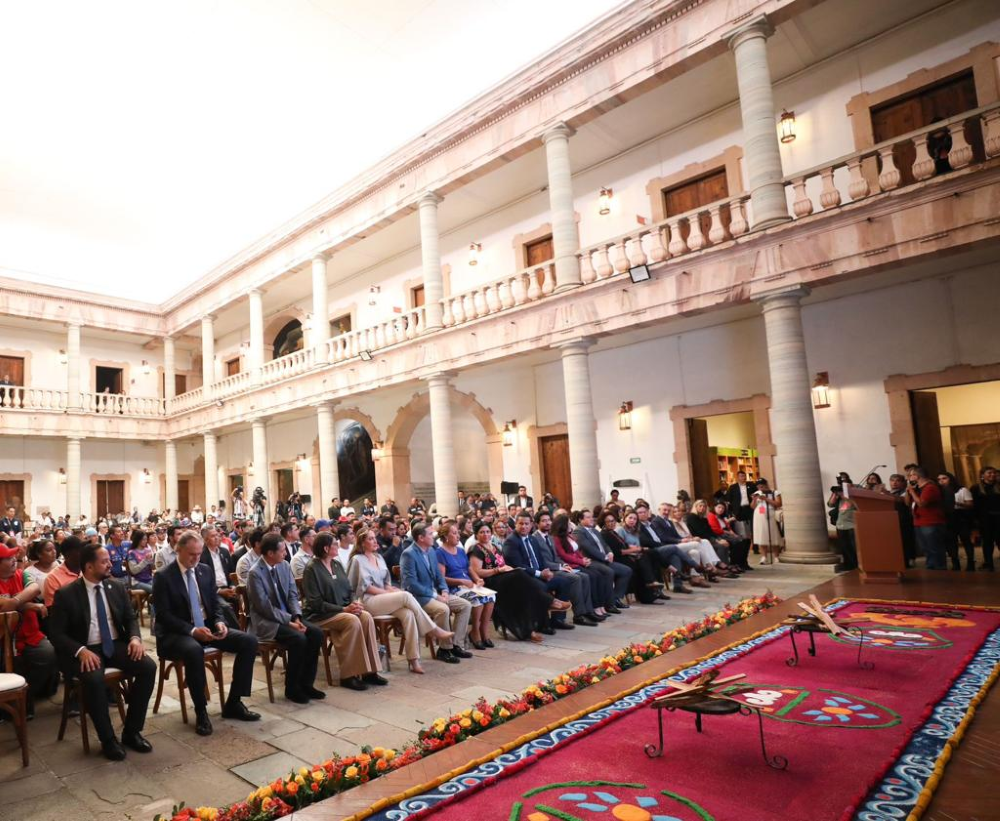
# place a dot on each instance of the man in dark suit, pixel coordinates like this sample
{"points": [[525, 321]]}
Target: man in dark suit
{"points": [[592, 545], [658, 535], [93, 626], [523, 500], [221, 563], [740, 499], [520, 550], [10, 524], [276, 615], [583, 604], [189, 618]]}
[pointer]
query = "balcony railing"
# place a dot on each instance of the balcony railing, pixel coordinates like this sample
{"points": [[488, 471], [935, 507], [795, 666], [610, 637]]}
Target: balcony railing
{"points": [[122, 405], [14, 397], [847, 179]]}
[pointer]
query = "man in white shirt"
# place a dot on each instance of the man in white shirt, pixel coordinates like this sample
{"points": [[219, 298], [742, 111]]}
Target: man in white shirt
{"points": [[167, 554], [345, 544], [347, 509], [305, 552], [250, 558]]}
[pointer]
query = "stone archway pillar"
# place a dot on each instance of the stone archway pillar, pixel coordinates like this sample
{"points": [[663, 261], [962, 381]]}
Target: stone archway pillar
{"points": [[392, 475], [445, 476], [794, 430], [581, 425], [211, 471], [261, 464], [329, 475], [170, 469], [73, 500]]}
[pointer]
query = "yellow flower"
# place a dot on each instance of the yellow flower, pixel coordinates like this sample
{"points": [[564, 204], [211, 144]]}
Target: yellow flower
{"points": [[466, 713], [389, 755], [465, 722], [378, 752], [478, 716], [351, 772], [303, 771], [300, 779], [207, 813], [317, 775], [594, 679], [504, 712], [264, 792]]}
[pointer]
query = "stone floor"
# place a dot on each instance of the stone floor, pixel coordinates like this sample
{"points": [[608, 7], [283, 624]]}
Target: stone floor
{"points": [[62, 782]]}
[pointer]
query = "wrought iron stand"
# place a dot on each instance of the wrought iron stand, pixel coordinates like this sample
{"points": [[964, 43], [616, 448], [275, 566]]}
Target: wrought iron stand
{"points": [[812, 630], [719, 708]]}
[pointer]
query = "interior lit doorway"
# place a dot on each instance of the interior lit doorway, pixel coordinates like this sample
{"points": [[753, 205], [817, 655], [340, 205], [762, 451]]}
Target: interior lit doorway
{"points": [[720, 446], [957, 428]]}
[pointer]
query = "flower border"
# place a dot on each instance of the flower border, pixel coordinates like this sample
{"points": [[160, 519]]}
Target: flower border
{"points": [[336, 775]]}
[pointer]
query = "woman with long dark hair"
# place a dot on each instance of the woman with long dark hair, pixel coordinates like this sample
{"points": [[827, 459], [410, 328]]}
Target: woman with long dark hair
{"points": [[647, 588]]}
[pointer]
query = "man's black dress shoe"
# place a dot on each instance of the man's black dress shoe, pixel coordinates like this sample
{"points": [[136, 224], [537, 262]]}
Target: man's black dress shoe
{"points": [[597, 617], [614, 611], [312, 692], [461, 653], [113, 751], [296, 696], [374, 678], [353, 683], [621, 605], [584, 621], [445, 656], [561, 625], [203, 724], [135, 741], [239, 712], [548, 631]]}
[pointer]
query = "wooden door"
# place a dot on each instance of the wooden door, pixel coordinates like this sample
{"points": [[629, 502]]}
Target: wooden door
{"points": [[285, 485], [927, 430], [556, 471], [698, 193], [183, 495], [180, 383], [233, 367], [417, 295], [538, 253], [704, 462], [340, 325], [110, 497], [948, 98], [12, 367], [12, 493]]}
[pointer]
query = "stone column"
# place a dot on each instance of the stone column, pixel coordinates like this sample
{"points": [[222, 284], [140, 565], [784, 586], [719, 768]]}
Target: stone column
{"points": [[261, 465], [430, 254], [73, 366], [169, 369], [170, 469], [329, 476], [580, 424], [255, 356], [207, 355], [73, 501], [320, 302], [794, 431], [445, 478], [565, 236], [761, 154], [211, 471]]}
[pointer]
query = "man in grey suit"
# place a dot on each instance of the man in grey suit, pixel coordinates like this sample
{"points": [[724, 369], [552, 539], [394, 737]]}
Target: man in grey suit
{"points": [[276, 615], [593, 547], [583, 610], [421, 577]]}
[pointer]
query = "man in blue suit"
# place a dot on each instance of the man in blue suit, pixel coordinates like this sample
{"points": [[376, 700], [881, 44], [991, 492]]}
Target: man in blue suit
{"points": [[189, 619], [421, 577], [276, 615], [520, 550]]}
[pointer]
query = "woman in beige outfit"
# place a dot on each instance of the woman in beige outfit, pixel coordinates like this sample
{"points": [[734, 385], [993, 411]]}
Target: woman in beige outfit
{"points": [[373, 586]]}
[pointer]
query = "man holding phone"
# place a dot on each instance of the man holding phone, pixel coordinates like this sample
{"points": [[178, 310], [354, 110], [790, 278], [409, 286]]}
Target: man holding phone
{"points": [[929, 519], [189, 619]]}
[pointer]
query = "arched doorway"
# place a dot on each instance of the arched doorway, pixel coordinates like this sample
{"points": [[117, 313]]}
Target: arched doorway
{"points": [[405, 461], [289, 339]]}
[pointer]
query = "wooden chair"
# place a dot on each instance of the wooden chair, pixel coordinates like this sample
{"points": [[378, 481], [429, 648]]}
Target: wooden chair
{"points": [[213, 664], [13, 688], [269, 651], [385, 626], [139, 598], [114, 679]]}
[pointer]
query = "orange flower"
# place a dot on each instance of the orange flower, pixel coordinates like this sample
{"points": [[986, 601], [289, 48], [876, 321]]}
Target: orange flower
{"points": [[562, 689], [381, 765], [292, 788]]}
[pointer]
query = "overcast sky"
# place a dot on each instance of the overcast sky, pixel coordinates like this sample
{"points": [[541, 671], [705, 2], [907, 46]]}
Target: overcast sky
{"points": [[144, 142]]}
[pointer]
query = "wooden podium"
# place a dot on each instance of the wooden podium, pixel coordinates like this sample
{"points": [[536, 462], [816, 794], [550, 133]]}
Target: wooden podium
{"points": [[876, 530]]}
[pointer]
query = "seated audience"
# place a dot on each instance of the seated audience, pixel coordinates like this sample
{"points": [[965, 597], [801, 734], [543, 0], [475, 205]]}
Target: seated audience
{"points": [[189, 618], [42, 554], [93, 626], [697, 524], [35, 656], [722, 525], [140, 559], [583, 609], [276, 615], [454, 565], [167, 554], [330, 603], [593, 548], [602, 577], [372, 583], [251, 557], [302, 558], [421, 576], [65, 573], [522, 551]]}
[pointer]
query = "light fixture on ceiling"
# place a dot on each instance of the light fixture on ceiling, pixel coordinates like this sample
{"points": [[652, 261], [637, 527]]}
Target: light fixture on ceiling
{"points": [[474, 249], [639, 273], [821, 390], [786, 126], [625, 416], [509, 433], [604, 201]]}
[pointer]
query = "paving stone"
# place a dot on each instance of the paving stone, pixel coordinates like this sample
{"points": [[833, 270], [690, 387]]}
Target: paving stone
{"points": [[269, 768], [58, 805], [314, 745], [331, 719]]}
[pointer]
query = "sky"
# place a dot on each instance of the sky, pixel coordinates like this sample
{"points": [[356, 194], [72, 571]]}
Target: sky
{"points": [[144, 142]]}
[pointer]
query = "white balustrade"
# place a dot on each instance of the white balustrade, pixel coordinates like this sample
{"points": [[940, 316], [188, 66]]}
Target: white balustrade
{"points": [[16, 397]]}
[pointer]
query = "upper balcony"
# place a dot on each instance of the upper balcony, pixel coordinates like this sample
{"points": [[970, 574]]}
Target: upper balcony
{"points": [[860, 212]]}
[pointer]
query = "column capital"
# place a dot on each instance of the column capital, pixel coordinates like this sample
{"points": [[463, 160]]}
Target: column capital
{"points": [[74, 323], [758, 26], [209, 434], [256, 292], [208, 319], [321, 256], [580, 345], [170, 443], [559, 131], [75, 438], [260, 420], [793, 293], [440, 378], [428, 199], [330, 404]]}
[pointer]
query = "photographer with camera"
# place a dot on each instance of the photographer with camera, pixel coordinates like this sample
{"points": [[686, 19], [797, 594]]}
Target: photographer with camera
{"points": [[258, 503], [239, 503], [842, 511], [929, 520]]}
